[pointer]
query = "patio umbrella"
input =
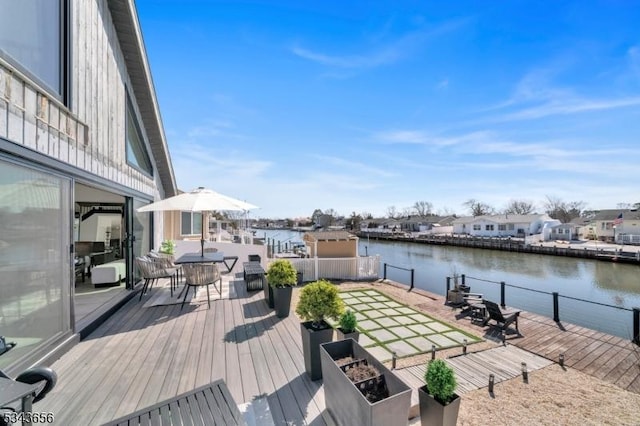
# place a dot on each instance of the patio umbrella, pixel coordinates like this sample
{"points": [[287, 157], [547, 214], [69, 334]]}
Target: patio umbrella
{"points": [[199, 200]]}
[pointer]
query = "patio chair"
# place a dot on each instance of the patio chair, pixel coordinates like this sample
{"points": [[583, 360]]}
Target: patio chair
{"points": [[201, 274], [43, 378], [167, 261], [502, 318], [152, 271]]}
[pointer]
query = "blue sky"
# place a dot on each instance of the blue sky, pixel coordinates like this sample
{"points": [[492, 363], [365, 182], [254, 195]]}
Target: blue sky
{"points": [[359, 106]]}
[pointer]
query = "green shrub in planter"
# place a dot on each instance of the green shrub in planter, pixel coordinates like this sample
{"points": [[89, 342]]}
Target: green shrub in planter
{"points": [[440, 380], [319, 300], [281, 273], [348, 321], [439, 405]]}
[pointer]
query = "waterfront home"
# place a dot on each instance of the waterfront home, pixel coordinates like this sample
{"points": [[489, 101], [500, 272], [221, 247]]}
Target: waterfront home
{"points": [[561, 232], [80, 130], [503, 225], [619, 225], [380, 225], [426, 224]]}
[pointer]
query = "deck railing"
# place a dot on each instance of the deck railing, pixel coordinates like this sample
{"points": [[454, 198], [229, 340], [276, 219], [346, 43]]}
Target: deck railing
{"points": [[620, 320], [347, 268]]}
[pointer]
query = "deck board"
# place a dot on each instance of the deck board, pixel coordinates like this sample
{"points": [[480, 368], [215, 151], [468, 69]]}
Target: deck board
{"points": [[141, 356]]}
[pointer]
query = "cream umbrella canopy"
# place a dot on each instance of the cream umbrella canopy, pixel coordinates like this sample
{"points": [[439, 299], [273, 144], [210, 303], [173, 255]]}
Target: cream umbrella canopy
{"points": [[199, 200]]}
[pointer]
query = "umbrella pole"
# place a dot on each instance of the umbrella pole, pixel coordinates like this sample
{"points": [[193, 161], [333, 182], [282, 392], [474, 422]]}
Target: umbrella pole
{"points": [[202, 235]]}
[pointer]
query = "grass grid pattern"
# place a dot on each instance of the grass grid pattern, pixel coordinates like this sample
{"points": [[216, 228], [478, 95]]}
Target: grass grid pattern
{"points": [[388, 326]]}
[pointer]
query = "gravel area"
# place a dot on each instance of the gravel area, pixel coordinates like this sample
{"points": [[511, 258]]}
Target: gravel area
{"points": [[552, 396]]}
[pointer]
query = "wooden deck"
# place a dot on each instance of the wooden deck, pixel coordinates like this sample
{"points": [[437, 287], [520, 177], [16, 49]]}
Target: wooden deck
{"points": [[473, 370], [141, 356], [610, 358]]}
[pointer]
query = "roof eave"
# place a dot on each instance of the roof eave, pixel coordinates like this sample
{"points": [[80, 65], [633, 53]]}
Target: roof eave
{"points": [[125, 20]]}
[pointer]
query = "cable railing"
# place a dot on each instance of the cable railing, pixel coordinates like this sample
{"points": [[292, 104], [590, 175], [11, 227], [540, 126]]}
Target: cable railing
{"points": [[410, 270], [606, 317]]}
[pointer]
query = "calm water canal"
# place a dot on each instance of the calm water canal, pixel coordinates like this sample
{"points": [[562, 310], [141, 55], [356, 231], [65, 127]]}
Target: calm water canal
{"points": [[606, 283]]}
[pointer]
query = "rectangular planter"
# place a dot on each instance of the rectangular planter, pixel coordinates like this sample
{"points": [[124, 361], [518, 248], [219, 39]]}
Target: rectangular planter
{"points": [[311, 341], [346, 403]]}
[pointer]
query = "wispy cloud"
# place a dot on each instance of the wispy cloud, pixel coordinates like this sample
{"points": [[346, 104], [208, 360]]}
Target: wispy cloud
{"points": [[420, 137], [634, 60], [354, 167], [570, 106], [443, 84], [536, 97], [384, 54]]}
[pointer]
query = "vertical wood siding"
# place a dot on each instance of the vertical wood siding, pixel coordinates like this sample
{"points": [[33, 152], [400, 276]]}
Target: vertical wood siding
{"points": [[90, 133]]}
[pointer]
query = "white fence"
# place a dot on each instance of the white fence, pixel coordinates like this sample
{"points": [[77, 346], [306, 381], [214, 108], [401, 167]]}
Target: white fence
{"points": [[349, 268], [628, 239]]}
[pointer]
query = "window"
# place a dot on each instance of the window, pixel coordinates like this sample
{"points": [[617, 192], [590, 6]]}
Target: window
{"points": [[34, 38], [137, 155], [502, 227], [511, 227], [476, 227], [488, 227], [191, 223]]}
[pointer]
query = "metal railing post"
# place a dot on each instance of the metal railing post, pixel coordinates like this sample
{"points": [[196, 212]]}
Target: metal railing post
{"points": [[448, 286], [384, 276], [464, 279], [636, 326], [412, 275], [556, 307], [502, 297]]}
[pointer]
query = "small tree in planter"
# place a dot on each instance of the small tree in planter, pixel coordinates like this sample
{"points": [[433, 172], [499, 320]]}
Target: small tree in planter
{"points": [[318, 300], [282, 276], [347, 328], [439, 404]]}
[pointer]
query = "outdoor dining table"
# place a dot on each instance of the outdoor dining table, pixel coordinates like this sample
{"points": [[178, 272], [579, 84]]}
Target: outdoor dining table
{"points": [[216, 257]]}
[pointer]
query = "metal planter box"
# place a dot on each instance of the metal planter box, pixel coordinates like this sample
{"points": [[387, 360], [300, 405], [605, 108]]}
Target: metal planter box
{"points": [[346, 403], [311, 341]]}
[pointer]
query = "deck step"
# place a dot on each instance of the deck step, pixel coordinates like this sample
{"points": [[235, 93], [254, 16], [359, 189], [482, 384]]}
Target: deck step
{"points": [[257, 412]]}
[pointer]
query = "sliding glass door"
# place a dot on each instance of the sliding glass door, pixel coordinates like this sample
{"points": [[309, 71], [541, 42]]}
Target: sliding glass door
{"points": [[35, 259]]}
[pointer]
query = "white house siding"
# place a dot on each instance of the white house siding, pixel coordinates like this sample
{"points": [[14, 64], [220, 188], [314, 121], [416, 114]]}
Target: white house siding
{"points": [[529, 224], [90, 133]]}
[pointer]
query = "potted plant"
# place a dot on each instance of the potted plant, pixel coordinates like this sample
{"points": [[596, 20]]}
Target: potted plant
{"points": [[439, 404], [347, 326], [455, 296], [168, 247], [382, 400], [281, 277], [318, 301]]}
